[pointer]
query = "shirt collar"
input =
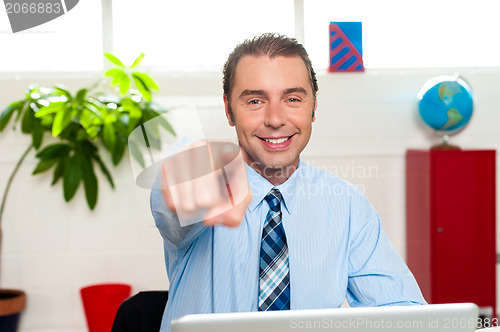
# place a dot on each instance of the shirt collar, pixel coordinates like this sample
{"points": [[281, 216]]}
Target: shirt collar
{"points": [[260, 187]]}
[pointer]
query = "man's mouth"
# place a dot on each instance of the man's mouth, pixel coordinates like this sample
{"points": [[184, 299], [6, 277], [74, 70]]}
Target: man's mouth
{"points": [[278, 143], [277, 140]]}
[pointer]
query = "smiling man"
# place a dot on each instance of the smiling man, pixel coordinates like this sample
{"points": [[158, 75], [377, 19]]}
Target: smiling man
{"points": [[271, 102], [304, 238]]}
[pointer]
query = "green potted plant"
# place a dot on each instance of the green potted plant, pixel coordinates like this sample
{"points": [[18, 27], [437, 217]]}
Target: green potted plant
{"points": [[83, 126]]}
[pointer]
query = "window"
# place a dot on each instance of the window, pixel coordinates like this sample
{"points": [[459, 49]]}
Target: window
{"points": [[194, 35], [424, 33], [71, 42], [197, 35]]}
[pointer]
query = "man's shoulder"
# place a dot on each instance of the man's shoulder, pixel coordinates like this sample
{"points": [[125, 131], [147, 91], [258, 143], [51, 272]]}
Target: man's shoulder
{"points": [[313, 175]]}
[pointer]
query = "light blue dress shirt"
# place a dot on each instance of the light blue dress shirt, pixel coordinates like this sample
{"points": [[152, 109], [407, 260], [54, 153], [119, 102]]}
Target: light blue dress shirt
{"points": [[337, 250]]}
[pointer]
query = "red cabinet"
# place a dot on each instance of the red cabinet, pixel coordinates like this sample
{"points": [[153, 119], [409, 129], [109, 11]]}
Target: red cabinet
{"points": [[450, 224]]}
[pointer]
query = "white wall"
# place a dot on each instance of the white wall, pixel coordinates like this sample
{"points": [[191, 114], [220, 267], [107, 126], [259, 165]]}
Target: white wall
{"points": [[365, 122]]}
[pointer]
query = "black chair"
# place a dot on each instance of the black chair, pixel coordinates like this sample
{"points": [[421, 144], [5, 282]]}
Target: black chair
{"points": [[141, 313]]}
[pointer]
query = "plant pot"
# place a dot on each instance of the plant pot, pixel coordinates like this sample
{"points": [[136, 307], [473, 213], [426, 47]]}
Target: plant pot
{"points": [[12, 303], [101, 302]]}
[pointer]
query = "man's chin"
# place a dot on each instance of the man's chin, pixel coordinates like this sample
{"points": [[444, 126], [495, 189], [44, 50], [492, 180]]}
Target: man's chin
{"points": [[277, 169]]}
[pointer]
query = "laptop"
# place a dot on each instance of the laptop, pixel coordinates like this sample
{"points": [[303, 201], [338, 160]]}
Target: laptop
{"points": [[457, 317]]}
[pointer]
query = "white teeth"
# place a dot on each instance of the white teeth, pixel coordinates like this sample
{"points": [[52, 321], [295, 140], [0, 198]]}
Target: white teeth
{"points": [[276, 140]]}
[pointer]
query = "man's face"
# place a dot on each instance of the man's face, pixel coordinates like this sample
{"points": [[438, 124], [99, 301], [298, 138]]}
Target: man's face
{"points": [[273, 105]]}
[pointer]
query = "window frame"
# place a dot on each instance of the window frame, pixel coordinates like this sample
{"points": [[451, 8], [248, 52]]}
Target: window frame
{"points": [[107, 46]]}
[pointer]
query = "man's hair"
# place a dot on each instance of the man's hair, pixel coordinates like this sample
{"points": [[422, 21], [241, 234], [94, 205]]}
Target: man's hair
{"points": [[271, 45]]}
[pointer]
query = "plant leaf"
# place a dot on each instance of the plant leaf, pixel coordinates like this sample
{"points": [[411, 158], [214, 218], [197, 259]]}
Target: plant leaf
{"points": [[165, 124], [152, 114], [44, 165], [113, 59], [152, 133], [72, 176], [104, 169], [81, 136], [134, 113], [119, 149], [54, 151], [89, 182], [124, 84], [80, 95], [37, 134], [96, 107], [53, 107], [147, 80], [64, 92], [142, 87], [26, 106], [137, 61], [90, 122], [89, 148], [121, 126], [116, 73], [108, 136], [7, 113], [58, 171], [27, 121], [133, 123], [46, 121], [135, 151], [61, 121]]}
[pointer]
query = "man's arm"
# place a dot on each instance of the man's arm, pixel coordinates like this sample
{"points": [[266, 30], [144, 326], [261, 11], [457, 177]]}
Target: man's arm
{"points": [[377, 274], [178, 238], [191, 193]]}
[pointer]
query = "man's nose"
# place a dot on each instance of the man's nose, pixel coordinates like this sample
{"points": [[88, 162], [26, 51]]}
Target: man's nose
{"points": [[275, 115]]}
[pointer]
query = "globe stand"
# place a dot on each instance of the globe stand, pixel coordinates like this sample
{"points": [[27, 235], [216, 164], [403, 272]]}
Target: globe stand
{"points": [[445, 145]]}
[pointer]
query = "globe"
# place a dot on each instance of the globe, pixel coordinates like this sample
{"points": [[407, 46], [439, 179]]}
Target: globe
{"points": [[446, 104]]}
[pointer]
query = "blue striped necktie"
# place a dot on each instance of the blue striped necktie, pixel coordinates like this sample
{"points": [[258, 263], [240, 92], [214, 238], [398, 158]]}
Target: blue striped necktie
{"points": [[274, 272]]}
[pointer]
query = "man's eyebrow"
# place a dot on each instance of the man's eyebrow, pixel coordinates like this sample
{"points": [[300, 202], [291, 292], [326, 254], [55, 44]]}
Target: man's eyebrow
{"points": [[298, 89], [248, 92]]}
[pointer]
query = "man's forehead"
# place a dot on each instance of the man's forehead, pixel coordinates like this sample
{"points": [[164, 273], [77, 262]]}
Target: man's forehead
{"points": [[247, 63], [250, 58]]}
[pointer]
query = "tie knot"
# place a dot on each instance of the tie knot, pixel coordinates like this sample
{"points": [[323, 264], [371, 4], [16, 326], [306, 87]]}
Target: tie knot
{"points": [[274, 199]]}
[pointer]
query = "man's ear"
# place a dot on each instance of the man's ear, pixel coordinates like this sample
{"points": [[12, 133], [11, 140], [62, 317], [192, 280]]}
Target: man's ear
{"points": [[228, 111], [314, 109]]}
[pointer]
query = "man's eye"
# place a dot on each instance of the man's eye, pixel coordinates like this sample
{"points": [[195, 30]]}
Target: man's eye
{"points": [[292, 100], [254, 102]]}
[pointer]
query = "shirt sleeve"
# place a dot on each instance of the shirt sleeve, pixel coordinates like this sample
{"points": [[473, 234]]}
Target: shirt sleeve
{"points": [[177, 239], [377, 274]]}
